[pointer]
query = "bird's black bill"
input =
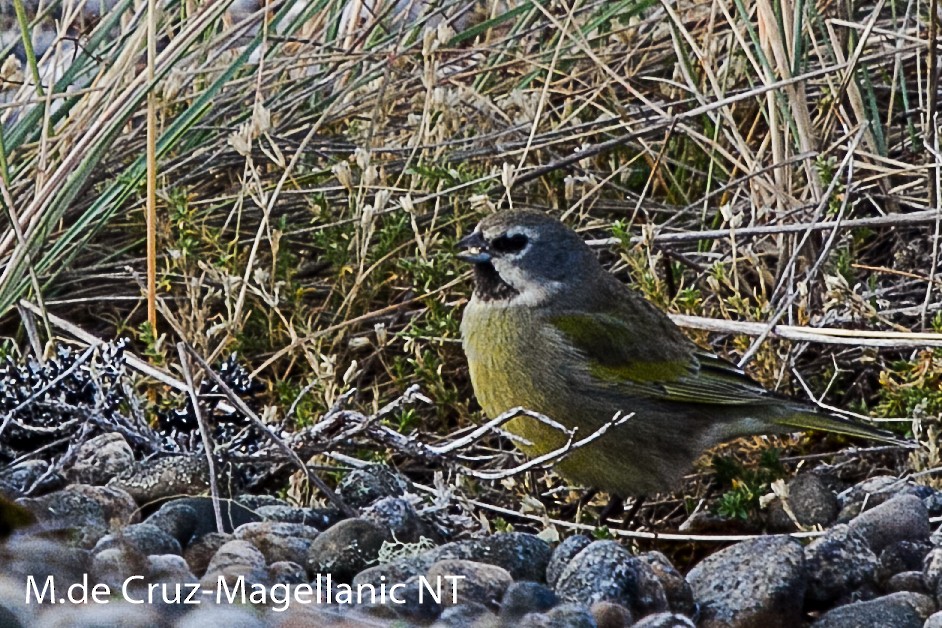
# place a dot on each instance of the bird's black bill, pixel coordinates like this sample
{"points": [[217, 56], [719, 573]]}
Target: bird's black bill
{"points": [[475, 249]]}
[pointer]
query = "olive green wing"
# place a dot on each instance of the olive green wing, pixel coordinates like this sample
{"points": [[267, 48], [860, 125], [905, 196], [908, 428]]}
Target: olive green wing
{"points": [[660, 363]]}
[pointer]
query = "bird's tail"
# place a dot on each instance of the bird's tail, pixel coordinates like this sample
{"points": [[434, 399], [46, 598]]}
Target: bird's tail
{"points": [[804, 420]]}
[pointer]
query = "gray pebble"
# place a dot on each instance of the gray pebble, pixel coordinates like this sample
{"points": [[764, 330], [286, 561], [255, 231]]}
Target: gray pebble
{"points": [[563, 553], [899, 610], [362, 487], [838, 564], [279, 541], [143, 537], [759, 582], [474, 582], [902, 518], [606, 571], [345, 549]]}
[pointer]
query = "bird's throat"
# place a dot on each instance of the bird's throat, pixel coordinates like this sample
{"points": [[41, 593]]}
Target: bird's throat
{"points": [[488, 285]]}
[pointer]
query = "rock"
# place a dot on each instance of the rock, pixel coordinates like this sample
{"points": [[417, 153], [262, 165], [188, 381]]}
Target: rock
{"points": [[398, 517], [838, 564], [414, 605], [287, 572], [97, 615], [563, 553], [759, 582], [345, 549], [678, 591], [899, 610], [177, 519], [101, 458], [611, 615], [23, 556], [562, 616], [160, 478], [902, 518], [362, 487], [230, 616], [320, 518], [200, 552], [810, 500], [169, 568], [665, 620], [469, 581], [396, 571], [464, 615], [906, 581], [254, 502], [279, 541], [931, 568], [934, 621], [524, 555], [142, 537], [236, 558], [91, 511], [522, 598], [17, 479], [901, 556], [113, 565], [605, 571]]}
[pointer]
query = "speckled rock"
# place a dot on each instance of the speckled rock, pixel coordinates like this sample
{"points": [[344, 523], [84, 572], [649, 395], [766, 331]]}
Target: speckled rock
{"points": [[899, 610], [320, 518], [606, 571], [345, 549], [524, 555], [900, 557], [101, 458], [522, 598], [932, 568], [114, 565], [223, 615], [906, 581], [563, 553], [200, 552], [169, 568], [91, 511], [665, 620], [474, 582], [838, 564], [934, 621], [417, 606], [287, 572], [23, 556], [396, 571], [160, 478], [611, 615], [362, 487], [678, 591], [16, 479], [562, 616], [116, 613], [279, 541], [143, 537], [756, 583], [234, 559], [189, 518], [472, 614], [399, 517], [902, 518], [810, 500]]}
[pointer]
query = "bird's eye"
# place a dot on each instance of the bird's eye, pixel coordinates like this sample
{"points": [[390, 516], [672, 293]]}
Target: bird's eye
{"points": [[509, 244]]}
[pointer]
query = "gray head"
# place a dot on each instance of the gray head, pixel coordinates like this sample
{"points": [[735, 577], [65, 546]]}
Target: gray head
{"points": [[527, 257]]}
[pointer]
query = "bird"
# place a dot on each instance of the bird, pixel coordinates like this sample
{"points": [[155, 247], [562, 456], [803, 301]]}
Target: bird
{"points": [[548, 329]]}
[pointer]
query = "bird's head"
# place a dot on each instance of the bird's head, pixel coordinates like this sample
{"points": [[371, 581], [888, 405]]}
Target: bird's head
{"points": [[525, 257]]}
